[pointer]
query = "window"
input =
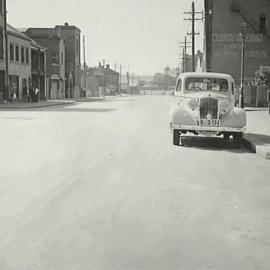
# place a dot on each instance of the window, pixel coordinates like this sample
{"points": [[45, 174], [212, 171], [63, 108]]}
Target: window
{"points": [[233, 88], [27, 55], [206, 84], [62, 59], [11, 52], [265, 3], [234, 5], [17, 54], [54, 57], [22, 54], [1, 6], [179, 86], [77, 47], [262, 22]]}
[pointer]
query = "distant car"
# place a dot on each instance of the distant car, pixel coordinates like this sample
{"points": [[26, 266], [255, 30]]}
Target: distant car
{"points": [[204, 103]]}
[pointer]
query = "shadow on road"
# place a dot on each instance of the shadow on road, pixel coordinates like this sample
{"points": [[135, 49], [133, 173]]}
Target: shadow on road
{"points": [[212, 144], [259, 138]]}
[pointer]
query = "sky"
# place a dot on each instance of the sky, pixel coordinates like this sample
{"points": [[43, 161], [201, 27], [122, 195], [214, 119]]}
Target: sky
{"points": [[141, 35]]}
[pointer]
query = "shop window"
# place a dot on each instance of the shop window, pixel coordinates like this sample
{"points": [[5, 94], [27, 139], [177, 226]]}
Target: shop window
{"points": [[11, 51], [262, 22], [17, 54], [22, 54]]}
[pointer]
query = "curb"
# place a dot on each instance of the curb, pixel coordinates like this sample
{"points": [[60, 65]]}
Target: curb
{"points": [[37, 106], [257, 146]]}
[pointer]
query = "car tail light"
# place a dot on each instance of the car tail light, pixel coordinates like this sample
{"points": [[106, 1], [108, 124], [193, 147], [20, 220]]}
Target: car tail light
{"points": [[193, 104]]}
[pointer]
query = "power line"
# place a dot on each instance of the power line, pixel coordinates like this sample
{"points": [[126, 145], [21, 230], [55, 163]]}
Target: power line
{"points": [[185, 46], [193, 18]]}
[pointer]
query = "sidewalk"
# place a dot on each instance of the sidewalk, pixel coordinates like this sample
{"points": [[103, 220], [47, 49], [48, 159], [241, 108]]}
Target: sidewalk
{"points": [[40, 104], [28, 105], [257, 137]]}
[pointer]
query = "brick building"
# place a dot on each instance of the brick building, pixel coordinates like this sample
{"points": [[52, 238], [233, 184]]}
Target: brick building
{"points": [[222, 42], [63, 43], [72, 38], [54, 43]]}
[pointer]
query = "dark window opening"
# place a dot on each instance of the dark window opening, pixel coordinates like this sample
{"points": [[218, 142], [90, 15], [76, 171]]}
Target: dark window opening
{"points": [[17, 53], [265, 3], [11, 52], [22, 54], [27, 56], [262, 23]]}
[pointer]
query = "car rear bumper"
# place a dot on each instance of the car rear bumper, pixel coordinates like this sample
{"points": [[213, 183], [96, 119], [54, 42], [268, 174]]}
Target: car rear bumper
{"points": [[208, 129]]}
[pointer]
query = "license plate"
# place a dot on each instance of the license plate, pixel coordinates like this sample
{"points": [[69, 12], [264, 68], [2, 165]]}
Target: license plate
{"points": [[209, 122]]}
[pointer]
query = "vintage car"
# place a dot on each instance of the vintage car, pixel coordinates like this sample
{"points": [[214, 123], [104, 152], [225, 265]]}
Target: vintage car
{"points": [[204, 103]]}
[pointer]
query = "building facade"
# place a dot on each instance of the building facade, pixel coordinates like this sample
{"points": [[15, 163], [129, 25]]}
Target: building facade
{"points": [[222, 41], [39, 69], [72, 38], [101, 80], [50, 39], [2, 52], [63, 43], [19, 55]]}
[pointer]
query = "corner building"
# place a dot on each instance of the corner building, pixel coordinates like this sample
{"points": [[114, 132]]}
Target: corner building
{"points": [[222, 39], [72, 38]]}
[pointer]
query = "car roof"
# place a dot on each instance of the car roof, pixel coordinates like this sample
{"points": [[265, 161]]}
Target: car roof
{"points": [[205, 75]]}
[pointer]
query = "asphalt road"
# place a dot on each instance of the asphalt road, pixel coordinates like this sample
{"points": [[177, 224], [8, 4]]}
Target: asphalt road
{"points": [[100, 186]]}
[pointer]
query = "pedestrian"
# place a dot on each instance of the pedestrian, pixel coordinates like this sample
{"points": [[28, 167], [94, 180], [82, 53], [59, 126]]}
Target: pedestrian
{"points": [[11, 94], [25, 93], [31, 92], [36, 94]]}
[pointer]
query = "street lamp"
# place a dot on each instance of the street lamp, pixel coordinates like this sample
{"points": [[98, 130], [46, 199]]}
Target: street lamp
{"points": [[243, 36]]}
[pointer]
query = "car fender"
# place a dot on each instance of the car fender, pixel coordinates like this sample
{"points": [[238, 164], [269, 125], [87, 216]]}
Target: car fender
{"points": [[235, 118], [180, 116]]}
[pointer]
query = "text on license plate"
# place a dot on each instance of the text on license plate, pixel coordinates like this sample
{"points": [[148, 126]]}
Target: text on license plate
{"points": [[208, 122]]}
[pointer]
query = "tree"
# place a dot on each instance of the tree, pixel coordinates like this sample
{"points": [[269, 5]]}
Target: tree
{"points": [[262, 76], [158, 79]]}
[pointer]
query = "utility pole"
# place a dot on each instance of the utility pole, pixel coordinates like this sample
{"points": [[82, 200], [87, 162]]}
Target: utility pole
{"points": [[84, 65], [193, 18], [6, 53], [243, 36], [185, 69]]}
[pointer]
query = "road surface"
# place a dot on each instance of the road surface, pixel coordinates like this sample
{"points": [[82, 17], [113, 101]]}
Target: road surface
{"points": [[99, 185]]}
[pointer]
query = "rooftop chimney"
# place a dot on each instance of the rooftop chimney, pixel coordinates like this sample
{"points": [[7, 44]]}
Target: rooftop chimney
{"points": [[66, 24]]}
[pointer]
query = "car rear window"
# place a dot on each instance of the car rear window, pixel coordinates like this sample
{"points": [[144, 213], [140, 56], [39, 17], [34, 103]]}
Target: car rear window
{"points": [[206, 84]]}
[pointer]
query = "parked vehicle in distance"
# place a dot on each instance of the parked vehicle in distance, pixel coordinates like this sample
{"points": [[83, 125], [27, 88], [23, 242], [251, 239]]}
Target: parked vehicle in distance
{"points": [[204, 103]]}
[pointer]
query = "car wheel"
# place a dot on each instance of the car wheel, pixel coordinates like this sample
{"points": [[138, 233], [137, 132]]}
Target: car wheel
{"points": [[226, 136], [176, 137], [237, 140]]}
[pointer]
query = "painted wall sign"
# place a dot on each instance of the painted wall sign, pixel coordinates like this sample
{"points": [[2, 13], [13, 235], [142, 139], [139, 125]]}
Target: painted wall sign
{"points": [[236, 37]]}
